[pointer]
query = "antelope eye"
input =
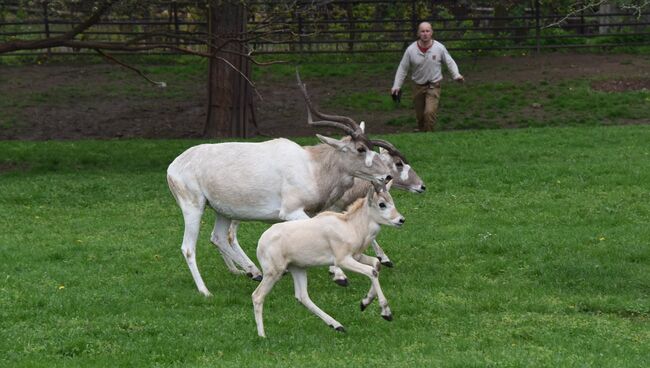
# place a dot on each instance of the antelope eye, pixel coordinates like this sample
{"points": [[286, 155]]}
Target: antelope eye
{"points": [[400, 164], [382, 205], [361, 149]]}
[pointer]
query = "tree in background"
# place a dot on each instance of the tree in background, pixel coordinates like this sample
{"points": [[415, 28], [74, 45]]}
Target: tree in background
{"points": [[226, 39], [230, 98], [224, 43]]}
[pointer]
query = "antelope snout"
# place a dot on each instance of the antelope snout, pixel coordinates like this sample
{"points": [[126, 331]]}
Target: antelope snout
{"points": [[400, 221], [417, 188]]}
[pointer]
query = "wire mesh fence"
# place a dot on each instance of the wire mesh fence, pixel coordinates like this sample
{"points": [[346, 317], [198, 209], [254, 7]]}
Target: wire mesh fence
{"points": [[354, 26]]}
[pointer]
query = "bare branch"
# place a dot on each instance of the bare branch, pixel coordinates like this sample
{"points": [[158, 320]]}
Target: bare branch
{"points": [[241, 74], [59, 40], [94, 18], [109, 57], [574, 12], [638, 9]]}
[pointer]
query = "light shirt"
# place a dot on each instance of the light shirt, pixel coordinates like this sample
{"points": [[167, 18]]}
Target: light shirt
{"points": [[426, 67]]}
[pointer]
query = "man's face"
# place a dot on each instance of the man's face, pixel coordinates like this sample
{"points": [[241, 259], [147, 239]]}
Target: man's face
{"points": [[425, 32]]}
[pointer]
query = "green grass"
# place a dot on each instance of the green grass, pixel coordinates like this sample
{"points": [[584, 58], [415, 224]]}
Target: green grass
{"points": [[510, 104], [530, 248]]}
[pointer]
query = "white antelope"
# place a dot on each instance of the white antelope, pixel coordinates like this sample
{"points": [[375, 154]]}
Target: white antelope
{"points": [[330, 238], [272, 181], [404, 177]]}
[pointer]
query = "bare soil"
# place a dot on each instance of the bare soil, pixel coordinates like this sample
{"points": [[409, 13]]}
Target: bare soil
{"points": [[280, 112]]}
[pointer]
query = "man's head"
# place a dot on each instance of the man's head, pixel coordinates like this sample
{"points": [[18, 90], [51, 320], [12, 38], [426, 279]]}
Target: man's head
{"points": [[425, 32]]}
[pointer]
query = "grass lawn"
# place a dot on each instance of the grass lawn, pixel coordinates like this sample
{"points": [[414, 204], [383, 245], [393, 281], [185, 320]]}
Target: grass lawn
{"points": [[530, 248]]}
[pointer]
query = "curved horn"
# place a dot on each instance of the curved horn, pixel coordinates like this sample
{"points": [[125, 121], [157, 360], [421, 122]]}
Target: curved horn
{"points": [[391, 149], [342, 122]]}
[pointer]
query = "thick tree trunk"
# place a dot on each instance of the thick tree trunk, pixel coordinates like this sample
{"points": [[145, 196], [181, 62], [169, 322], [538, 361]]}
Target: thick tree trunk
{"points": [[230, 100]]}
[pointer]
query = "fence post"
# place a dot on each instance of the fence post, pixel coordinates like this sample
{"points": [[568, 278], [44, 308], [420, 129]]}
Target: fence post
{"points": [[46, 23], [414, 19], [582, 18], [351, 33], [300, 30], [537, 26], [176, 26]]}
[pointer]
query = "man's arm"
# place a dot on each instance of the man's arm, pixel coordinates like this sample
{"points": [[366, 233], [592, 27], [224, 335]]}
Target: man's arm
{"points": [[451, 66], [402, 71]]}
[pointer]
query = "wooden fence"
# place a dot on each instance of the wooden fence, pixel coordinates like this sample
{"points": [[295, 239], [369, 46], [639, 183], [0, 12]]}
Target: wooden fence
{"points": [[366, 26]]}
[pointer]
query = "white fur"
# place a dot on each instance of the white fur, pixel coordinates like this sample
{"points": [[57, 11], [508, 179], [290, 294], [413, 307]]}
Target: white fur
{"points": [[277, 180], [327, 239], [404, 178], [405, 172]]}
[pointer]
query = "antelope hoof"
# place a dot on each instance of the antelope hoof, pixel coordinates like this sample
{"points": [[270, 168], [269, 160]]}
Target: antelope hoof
{"points": [[387, 317], [205, 293], [339, 329], [342, 282], [387, 263], [363, 306], [257, 278]]}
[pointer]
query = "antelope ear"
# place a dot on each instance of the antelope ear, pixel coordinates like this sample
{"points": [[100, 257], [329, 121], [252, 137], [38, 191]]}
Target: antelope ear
{"points": [[389, 184], [332, 142], [362, 126]]}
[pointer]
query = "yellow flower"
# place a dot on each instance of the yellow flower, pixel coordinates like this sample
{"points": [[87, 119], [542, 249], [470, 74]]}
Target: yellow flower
{"points": [[61, 287]]}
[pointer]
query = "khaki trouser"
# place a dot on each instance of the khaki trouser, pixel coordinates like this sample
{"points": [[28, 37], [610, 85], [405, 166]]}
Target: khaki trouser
{"points": [[425, 100]]}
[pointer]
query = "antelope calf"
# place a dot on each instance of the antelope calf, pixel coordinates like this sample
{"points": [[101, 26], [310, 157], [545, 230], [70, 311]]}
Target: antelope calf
{"points": [[404, 178], [330, 238]]}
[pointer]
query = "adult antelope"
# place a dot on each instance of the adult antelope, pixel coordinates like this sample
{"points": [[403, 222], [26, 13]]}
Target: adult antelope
{"points": [[404, 178], [272, 181]]}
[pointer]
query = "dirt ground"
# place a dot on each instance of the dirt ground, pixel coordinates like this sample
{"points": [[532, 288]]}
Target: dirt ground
{"points": [[280, 112]]}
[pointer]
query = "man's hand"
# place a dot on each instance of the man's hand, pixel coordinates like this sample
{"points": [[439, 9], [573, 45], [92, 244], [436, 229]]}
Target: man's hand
{"points": [[460, 79], [396, 94]]}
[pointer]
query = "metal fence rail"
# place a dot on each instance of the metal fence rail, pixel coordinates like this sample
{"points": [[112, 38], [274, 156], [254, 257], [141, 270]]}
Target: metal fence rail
{"points": [[367, 26]]}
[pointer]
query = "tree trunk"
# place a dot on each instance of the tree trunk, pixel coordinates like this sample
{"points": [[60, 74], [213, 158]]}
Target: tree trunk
{"points": [[230, 99], [607, 19]]}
